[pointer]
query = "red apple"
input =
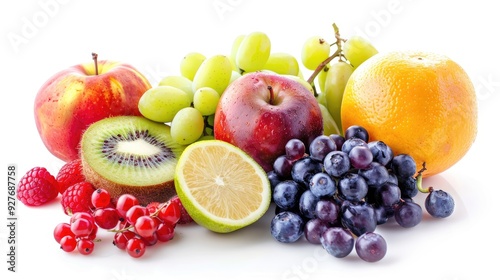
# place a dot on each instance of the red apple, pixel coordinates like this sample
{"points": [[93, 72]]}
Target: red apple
{"points": [[259, 112], [74, 98]]}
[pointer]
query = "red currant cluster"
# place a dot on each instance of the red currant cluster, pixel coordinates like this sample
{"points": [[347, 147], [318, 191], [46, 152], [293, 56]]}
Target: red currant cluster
{"points": [[135, 226], [79, 233]]}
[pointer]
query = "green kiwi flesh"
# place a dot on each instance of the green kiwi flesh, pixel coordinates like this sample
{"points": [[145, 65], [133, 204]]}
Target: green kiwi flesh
{"points": [[130, 154]]}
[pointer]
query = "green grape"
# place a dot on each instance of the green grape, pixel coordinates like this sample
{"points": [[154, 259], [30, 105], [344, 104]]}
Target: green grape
{"points": [[357, 50], [234, 76], [161, 103], [215, 72], [282, 63], [206, 100], [329, 124], [253, 52], [301, 81], [234, 51], [335, 83], [179, 82], [314, 51], [321, 98], [190, 64], [322, 77], [187, 126]]}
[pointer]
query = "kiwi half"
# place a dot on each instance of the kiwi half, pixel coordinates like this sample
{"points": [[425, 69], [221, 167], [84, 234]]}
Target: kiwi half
{"points": [[130, 154]]}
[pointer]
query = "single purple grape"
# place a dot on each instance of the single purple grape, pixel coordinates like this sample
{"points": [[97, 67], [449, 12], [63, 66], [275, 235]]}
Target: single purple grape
{"points": [[322, 185], [360, 157], [439, 204], [321, 146], [287, 227], [295, 149], [382, 153], [408, 214], [353, 187], [337, 241], [336, 163], [371, 247], [328, 211], [313, 230], [356, 131]]}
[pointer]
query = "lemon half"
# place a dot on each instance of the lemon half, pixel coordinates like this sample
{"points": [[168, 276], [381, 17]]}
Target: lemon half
{"points": [[221, 187]]}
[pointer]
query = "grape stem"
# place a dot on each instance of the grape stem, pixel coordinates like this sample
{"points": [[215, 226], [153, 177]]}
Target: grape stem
{"points": [[337, 53], [419, 181], [94, 57]]}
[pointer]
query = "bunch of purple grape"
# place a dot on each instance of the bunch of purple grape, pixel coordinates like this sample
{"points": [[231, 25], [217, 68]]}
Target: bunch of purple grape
{"points": [[339, 189]]}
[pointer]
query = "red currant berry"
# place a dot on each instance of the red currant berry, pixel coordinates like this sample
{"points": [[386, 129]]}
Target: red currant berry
{"points": [[82, 227], [68, 243], [122, 223], [93, 233], [85, 246], [61, 230], [125, 202], [170, 213], [135, 212], [165, 232], [106, 218], [145, 226], [151, 240], [100, 198], [136, 247], [121, 238], [81, 215]]}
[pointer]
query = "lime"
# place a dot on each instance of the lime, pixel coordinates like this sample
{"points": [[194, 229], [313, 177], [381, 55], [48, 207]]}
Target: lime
{"points": [[221, 187]]}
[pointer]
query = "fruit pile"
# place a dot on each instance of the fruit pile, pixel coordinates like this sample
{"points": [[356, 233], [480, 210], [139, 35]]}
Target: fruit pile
{"points": [[339, 189], [232, 133]]}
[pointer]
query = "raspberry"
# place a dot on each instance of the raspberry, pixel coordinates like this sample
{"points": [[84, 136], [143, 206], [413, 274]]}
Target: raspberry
{"points": [[185, 218], [78, 198], [153, 206], [70, 174], [37, 187]]}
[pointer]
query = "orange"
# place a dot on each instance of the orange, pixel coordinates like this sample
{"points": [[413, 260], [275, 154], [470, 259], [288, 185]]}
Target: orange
{"points": [[419, 103]]}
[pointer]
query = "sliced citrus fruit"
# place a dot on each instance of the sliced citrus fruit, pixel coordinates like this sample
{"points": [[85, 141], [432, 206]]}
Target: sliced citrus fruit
{"points": [[221, 187]]}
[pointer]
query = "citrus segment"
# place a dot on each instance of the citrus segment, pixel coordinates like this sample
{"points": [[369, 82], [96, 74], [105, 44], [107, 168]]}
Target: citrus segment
{"points": [[419, 103], [221, 187]]}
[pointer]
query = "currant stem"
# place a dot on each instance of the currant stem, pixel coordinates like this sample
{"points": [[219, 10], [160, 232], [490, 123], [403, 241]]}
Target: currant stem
{"points": [[94, 57], [161, 206]]}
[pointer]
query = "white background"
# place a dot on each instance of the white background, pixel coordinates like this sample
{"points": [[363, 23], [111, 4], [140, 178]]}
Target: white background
{"points": [[154, 36]]}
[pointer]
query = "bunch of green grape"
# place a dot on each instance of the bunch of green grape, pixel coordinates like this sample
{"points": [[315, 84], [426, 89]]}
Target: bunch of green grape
{"points": [[330, 76], [188, 101]]}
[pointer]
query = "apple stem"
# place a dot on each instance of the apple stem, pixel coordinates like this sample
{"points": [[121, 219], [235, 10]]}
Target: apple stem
{"points": [[271, 94], [94, 57]]}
